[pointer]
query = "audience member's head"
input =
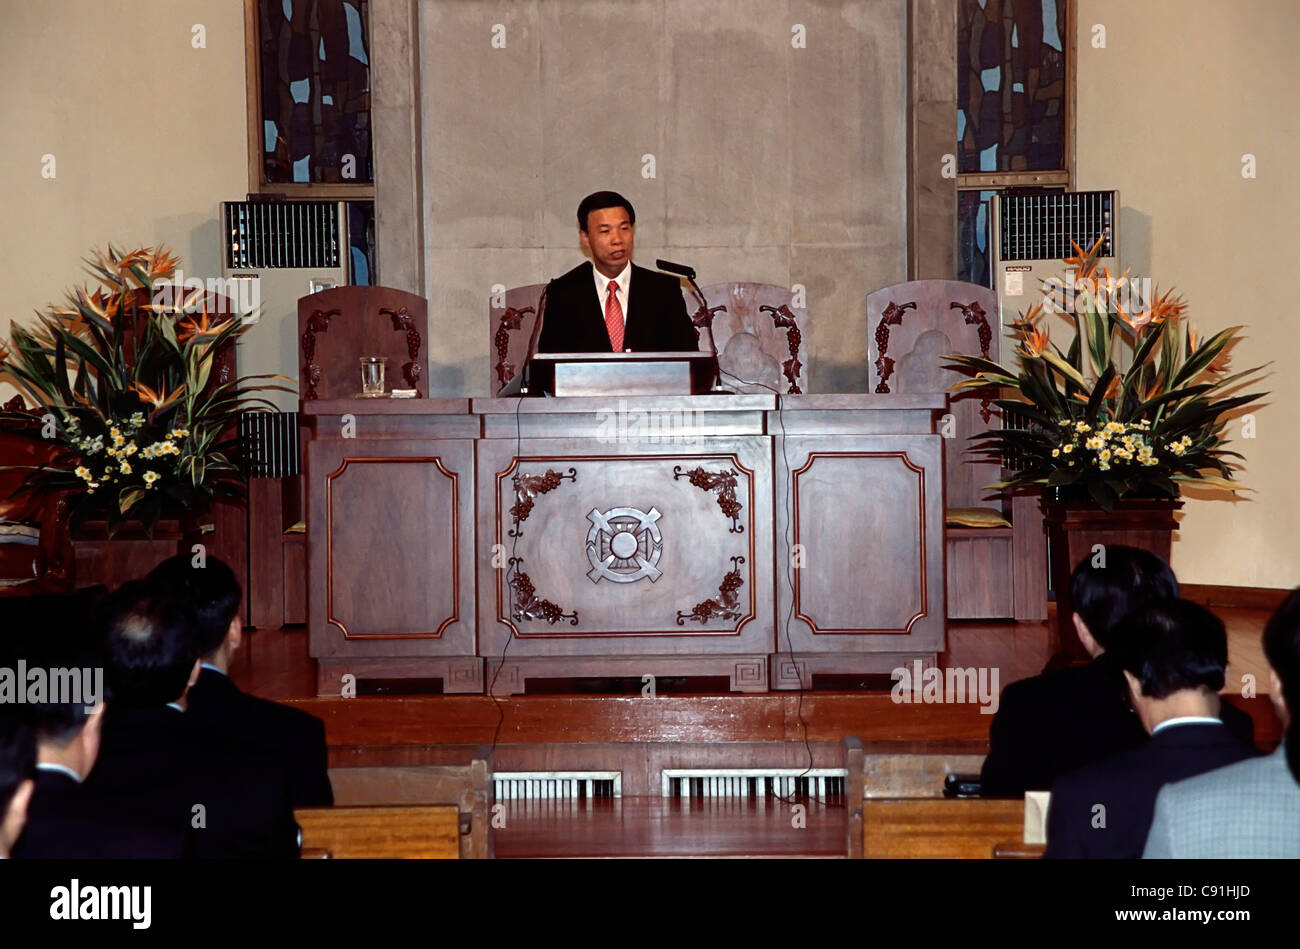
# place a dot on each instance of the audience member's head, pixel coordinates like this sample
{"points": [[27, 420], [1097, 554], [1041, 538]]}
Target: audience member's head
{"points": [[1107, 586], [17, 766], [68, 720], [152, 644], [213, 592], [1282, 649], [1173, 654]]}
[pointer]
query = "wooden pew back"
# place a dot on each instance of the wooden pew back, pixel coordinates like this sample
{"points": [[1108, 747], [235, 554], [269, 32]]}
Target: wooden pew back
{"points": [[381, 833], [467, 786], [943, 828]]}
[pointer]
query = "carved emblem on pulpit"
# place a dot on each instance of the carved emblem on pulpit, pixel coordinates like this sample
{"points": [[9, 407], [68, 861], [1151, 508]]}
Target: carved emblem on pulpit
{"points": [[624, 545]]}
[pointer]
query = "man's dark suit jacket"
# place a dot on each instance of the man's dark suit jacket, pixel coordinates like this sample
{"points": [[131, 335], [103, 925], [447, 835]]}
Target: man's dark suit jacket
{"points": [[291, 735], [64, 823], [1051, 724], [1126, 784], [156, 764], [656, 315]]}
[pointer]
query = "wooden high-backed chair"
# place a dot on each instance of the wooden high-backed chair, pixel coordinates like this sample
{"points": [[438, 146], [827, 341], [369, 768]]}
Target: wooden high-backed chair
{"points": [[337, 327], [511, 318], [996, 551], [759, 333]]}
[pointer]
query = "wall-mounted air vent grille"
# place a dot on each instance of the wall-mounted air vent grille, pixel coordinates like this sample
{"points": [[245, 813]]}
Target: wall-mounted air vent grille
{"points": [[821, 783], [263, 234], [557, 785], [268, 444], [1041, 226]]}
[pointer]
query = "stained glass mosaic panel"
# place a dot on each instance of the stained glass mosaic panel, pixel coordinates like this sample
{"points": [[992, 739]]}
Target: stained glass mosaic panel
{"points": [[1011, 86], [973, 253], [315, 88]]}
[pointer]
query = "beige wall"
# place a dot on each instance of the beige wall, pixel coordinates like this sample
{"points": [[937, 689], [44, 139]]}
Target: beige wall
{"points": [[1183, 89], [772, 163], [148, 133]]}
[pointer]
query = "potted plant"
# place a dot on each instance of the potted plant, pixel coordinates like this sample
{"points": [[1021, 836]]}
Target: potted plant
{"points": [[133, 380], [1112, 428]]}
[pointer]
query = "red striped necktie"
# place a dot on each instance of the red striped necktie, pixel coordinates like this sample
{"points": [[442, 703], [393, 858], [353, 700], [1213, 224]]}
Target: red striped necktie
{"points": [[614, 317]]}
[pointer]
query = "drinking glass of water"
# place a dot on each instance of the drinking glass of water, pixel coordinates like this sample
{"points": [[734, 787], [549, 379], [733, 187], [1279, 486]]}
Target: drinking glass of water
{"points": [[372, 376]]}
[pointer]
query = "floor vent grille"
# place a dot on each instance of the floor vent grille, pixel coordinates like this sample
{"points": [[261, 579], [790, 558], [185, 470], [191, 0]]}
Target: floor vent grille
{"points": [[762, 783], [557, 785]]}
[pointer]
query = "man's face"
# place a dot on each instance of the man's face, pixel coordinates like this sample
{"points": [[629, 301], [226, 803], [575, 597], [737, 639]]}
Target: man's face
{"points": [[608, 238]]}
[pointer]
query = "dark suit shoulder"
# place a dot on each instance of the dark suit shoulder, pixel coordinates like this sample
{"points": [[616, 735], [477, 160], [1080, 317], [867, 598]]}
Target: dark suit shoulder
{"points": [[576, 275]]}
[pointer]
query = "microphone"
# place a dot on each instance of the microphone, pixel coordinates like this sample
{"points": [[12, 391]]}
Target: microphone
{"points": [[680, 269]]}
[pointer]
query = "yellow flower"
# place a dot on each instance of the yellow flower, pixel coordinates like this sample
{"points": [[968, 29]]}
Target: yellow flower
{"points": [[112, 452], [1105, 455], [124, 467], [1056, 452], [150, 477], [130, 449], [1082, 427], [82, 472], [1177, 448], [1114, 427], [178, 432], [1067, 449]]}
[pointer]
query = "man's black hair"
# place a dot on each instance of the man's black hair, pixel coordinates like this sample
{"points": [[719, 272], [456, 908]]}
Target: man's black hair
{"points": [[212, 591], [601, 200], [1171, 646], [17, 756], [55, 632], [152, 642], [1282, 649], [1129, 579]]}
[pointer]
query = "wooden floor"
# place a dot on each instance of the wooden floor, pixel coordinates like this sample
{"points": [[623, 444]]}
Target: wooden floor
{"points": [[686, 725]]}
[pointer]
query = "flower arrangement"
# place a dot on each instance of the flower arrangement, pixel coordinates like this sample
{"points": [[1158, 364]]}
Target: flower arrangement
{"points": [[1137, 405], [123, 381]]}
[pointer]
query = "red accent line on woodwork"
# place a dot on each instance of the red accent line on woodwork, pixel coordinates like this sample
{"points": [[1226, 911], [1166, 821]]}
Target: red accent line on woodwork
{"points": [[902, 456], [455, 546], [571, 461]]}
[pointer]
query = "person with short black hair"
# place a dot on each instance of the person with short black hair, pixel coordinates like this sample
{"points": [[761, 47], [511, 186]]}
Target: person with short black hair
{"points": [[1051, 724], [293, 736], [17, 777], [609, 304], [1250, 809], [63, 821], [1173, 655], [156, 763]]}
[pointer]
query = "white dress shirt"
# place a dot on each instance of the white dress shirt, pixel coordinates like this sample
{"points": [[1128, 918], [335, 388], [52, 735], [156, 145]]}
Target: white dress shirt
{"points": [[624, 281]]}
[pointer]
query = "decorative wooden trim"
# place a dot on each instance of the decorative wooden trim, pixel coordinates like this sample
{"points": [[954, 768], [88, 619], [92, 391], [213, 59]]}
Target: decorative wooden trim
{"points": [[527, 487], [401, 318], [893, 316], [527, 605], [455, 546], [318, 322], [920, 502], [1239, 598], [782, 318], [725, 606], [515, 631], [724, 482], [511, 320], [975, 316]]}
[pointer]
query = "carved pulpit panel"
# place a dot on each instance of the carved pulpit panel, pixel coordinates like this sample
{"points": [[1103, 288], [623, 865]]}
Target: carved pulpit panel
{"points": [[658, 547]]}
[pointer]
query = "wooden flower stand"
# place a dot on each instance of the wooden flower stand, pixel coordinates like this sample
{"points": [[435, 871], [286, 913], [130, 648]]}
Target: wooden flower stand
{"points": [[1075, 528]]}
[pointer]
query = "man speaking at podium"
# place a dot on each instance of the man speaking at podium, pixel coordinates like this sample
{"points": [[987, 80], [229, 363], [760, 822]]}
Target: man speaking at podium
{"points": [[610, 305]]}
